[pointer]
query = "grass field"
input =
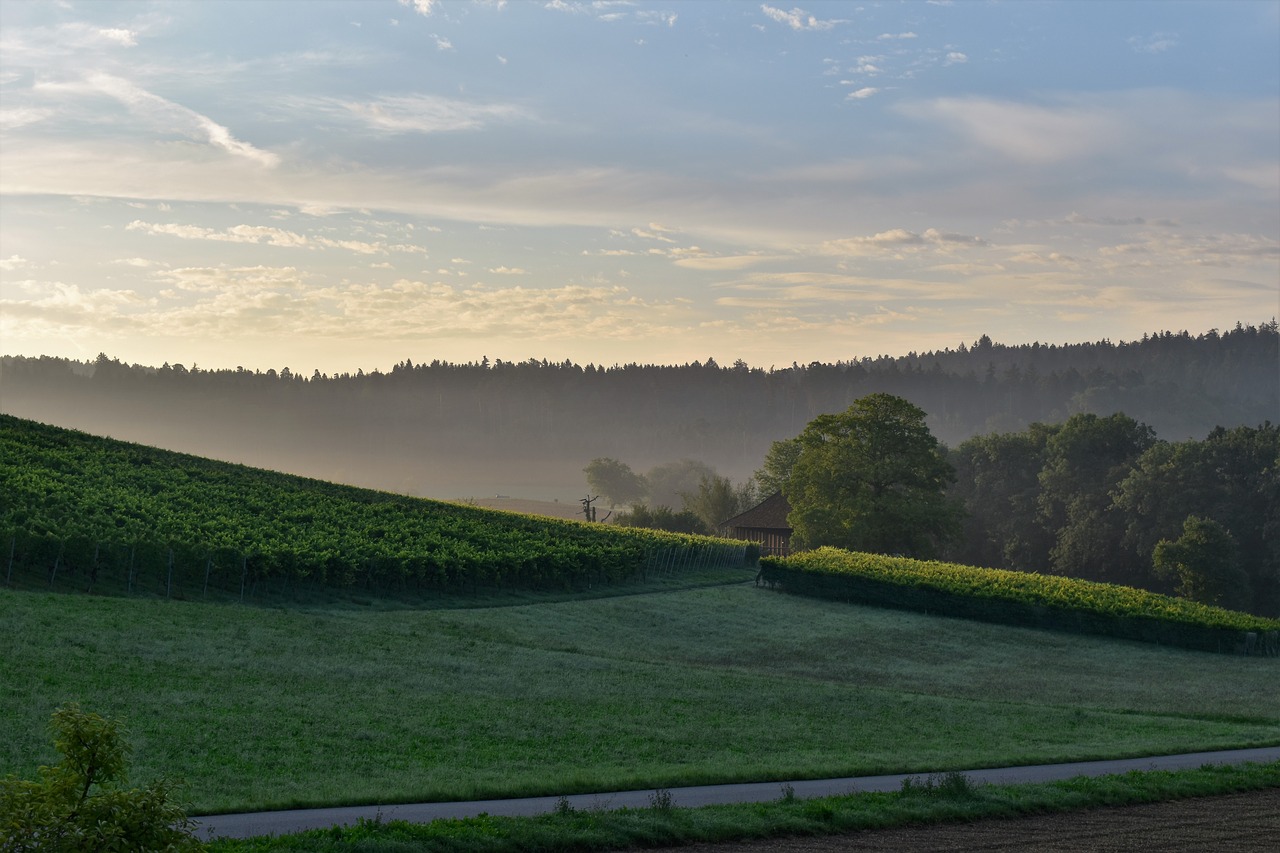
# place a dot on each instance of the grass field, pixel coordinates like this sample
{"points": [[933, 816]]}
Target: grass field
{"points": [[259, 708]]}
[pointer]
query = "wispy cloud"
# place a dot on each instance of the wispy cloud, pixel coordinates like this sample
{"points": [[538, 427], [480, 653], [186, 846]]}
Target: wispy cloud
{"points": [[419, 113], [161, 114], [268, 236], [897, 239]]}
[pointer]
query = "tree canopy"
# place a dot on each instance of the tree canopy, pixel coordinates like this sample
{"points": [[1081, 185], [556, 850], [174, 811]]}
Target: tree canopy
{"points": [[872, 478]]}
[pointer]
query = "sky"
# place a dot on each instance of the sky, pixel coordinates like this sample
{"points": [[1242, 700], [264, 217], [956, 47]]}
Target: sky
{"points": [[337, 186]]}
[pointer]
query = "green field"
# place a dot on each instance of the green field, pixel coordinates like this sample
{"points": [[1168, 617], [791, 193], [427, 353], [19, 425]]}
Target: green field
{"points": [[259, 708]]}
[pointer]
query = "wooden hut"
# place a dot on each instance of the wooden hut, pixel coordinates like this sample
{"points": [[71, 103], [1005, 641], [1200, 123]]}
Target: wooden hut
{"points": [[765, 523]]}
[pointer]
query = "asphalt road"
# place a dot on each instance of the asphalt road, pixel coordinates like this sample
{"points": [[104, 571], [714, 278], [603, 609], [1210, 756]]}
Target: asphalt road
{"points": [[296, 820]]}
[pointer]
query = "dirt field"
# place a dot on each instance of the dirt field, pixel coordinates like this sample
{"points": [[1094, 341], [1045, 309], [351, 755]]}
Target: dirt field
{"points": [[1230, 824]]}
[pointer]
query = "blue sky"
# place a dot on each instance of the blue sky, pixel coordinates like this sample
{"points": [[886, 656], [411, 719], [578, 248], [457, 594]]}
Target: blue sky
{"points": [[337, 186]]}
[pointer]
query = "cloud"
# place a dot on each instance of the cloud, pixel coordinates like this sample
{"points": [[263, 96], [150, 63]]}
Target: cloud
{"points": [[897, 239], [248, 303], [1074, 218], [162, 114], [1154, 43], [862, 94], [421, 113], [955, 57], [422, 7], [893, 36], [235, 234], [724, 262], [266, 235], [655, 232], [1027, 132], [508, 271], [127, 38], [798, 19]]}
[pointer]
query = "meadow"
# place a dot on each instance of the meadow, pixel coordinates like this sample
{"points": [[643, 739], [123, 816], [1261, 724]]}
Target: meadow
{"points": [[258, 707]]}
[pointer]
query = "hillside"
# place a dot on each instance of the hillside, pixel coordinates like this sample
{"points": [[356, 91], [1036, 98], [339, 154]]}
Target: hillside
{"points": [[527, 429], [115, 515]]}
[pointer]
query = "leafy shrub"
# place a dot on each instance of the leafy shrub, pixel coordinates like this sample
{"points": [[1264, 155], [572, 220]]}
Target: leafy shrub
{"points": [[80, 805]]}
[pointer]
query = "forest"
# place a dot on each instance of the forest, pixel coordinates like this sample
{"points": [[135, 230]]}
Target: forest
{"points": [[451, 430]]}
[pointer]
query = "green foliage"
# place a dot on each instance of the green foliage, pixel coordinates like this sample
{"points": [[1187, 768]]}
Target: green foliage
{"points": [[662, 518], [1019, 598], [615, 481], [671, 481], [1205, 560], [778, 463], [1087, 500], [76, 503], [951, 785], [717, 500], [998, 483], [1084, 462], [872, 479], [1231, 478], [80, 805]]}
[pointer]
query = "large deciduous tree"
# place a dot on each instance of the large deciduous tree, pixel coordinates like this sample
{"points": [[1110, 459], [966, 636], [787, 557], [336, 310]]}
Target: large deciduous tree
{"points": [[718, 500], [1206, 562], [615, 481], [872, 479], [1084, 461]]}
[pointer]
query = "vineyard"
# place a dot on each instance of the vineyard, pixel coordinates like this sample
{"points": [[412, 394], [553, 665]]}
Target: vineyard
{"points": [[1021, 598], [91, 513]]}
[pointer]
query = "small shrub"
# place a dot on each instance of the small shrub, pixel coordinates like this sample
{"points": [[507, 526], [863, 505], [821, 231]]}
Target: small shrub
{"points": [[788, 793], [952, 786], [80, 804], [661, 801]]}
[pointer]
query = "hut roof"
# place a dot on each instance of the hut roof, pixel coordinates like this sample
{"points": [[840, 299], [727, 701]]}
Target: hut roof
{"points": [[769, 514]]}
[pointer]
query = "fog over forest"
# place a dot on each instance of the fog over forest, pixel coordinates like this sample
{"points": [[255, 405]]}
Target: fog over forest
{"points": [[527, 429]]}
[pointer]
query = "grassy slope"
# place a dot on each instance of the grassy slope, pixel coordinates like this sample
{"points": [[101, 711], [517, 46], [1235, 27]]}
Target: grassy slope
{"points": [[258, 708]]}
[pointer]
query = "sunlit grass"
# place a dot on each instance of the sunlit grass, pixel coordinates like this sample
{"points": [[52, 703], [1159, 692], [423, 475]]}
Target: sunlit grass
{"points": [[259, 707]]}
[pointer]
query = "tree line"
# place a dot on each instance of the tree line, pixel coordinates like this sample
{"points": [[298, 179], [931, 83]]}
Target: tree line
{"points": [[1094, 498], [483, 427]]}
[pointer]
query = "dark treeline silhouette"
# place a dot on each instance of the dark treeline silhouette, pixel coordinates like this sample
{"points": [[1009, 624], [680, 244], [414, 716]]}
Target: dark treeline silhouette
{"points": [[527, 428], [1101, 498]]}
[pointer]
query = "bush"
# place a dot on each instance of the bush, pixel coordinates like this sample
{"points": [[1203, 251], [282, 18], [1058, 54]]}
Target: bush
{"points": [[80, 805]]}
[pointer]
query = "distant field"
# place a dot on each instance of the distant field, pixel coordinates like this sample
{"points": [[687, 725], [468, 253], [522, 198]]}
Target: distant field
{"points": [[553, 509], [260, 708]]}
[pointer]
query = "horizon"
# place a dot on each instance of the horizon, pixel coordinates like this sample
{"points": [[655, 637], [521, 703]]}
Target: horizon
{"points": [[349, 184], [307, 372]]}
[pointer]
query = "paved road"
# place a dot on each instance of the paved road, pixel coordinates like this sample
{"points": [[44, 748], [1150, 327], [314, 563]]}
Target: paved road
{"points": [[284, 822]]}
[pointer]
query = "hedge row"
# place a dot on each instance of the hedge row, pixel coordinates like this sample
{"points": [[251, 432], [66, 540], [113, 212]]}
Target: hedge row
{"points": [[1021, 599]]}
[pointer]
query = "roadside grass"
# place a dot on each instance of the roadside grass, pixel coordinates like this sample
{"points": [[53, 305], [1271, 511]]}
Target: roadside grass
{"points": [[258, 708], [953, 798]]}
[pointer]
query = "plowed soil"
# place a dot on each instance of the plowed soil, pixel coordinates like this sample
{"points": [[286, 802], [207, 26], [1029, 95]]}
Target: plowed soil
{"points": [[1235, 823]]}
